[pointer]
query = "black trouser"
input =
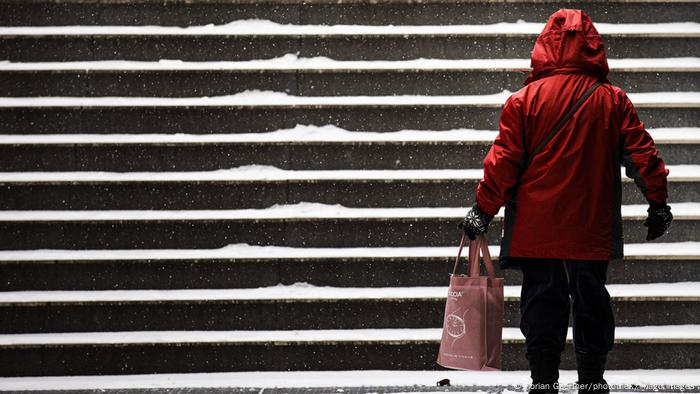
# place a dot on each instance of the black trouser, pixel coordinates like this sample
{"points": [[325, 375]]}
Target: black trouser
{"points": [[551, 288]]}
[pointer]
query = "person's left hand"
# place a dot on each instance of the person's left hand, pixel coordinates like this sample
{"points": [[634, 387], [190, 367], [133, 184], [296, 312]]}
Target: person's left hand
{"points": [[475, 223], [658, 221]]}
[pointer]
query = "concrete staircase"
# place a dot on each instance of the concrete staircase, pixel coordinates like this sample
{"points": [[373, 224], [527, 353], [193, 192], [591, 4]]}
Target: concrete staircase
{"points": [[283, 195]]}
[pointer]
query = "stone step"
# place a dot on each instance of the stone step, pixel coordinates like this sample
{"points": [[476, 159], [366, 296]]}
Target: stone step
{"points": [[656, 347], [267, 111], [317, 76], [297, 307], [303, 147], [183, 13], [262, 186], [298, 225], [247, 266], [303, 224], [260, 39]]}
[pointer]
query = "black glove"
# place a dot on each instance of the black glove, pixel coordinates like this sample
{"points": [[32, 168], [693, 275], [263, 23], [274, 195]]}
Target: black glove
{"points": [[476, 222], [659, 219]]}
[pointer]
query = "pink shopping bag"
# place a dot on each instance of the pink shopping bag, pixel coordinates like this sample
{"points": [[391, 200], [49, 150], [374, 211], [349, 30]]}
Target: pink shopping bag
{"points": [[473, 323]]}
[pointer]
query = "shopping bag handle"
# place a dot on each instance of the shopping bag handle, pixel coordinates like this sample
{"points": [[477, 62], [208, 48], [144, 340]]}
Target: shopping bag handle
{"points": [[475, 246]]}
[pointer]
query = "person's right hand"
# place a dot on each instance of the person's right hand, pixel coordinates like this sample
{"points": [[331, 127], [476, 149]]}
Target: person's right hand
{"points": [[659, 220], [475, 223]]}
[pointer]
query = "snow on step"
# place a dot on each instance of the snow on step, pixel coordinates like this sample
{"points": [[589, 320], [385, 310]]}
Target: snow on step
{"points": [[668, 251], [301, 291], [688, 333], [260, 27], [297, 134], [263, 173], [321, 63], [303, 210], [268, 99], [651, 380], [258, 98], [310, 133], [249, 173]]}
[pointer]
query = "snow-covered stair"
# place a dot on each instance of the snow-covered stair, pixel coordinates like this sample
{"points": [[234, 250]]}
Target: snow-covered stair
{"points": [[249, 266], [241, 187], [303, 147], [296, 307], [259, 111], [317, 76], [304, 224], [210, 186], [255, 39], [675, 346]]}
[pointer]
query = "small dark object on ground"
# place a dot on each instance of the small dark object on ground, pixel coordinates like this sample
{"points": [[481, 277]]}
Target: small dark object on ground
{"points": [[443, 382]]}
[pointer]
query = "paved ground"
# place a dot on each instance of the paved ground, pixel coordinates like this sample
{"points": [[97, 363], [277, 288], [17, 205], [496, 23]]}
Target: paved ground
{"points": [[360, 390], [296, 390]]}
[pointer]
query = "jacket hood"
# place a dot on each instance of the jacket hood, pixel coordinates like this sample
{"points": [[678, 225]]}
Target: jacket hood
{"points": [[569, 43]]}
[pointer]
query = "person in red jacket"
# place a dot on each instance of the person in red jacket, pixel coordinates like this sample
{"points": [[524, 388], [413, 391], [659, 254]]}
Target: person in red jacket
{"points": [[562, 192]]}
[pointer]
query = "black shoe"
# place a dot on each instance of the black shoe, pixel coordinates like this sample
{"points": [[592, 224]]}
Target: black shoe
{"points": [[590, 373], [544, 370]]}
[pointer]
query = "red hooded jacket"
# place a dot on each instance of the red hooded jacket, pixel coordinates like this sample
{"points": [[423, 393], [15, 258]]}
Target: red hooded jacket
{"points": [[567, 203]]}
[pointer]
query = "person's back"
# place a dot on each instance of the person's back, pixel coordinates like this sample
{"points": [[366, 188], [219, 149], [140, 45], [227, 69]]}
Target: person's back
{"points": [[567, 202], [563, 200]]}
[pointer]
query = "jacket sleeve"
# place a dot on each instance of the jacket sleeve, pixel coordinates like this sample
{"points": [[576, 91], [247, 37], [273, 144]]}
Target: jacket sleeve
{"points": [[502, 162], [640, 156]]}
